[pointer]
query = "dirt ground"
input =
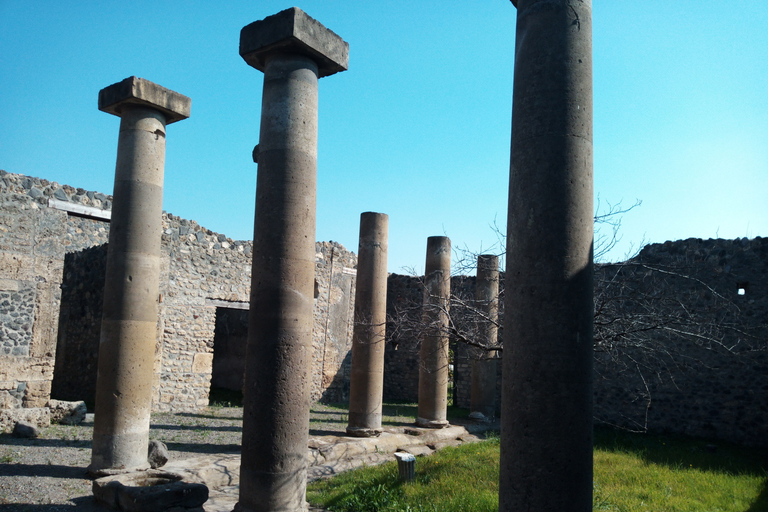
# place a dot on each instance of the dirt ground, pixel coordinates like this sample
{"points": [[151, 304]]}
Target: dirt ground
{"points": [[48, 473]]}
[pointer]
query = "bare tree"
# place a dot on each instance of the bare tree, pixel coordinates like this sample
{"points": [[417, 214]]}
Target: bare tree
{"points": [[652, 315]]}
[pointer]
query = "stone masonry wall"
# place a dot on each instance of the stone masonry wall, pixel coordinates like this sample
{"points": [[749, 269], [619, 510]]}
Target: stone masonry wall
{"points": [[697, 365], [711, 384], [335, 278], [401, 375], [401, 352], [60, 261], [77, 348], [31, 262]]}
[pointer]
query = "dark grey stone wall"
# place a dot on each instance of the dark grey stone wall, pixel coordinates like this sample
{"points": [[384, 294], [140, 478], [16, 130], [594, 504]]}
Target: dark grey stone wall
{"points": [[77, 348], [401, 352], [681, 340], [701, 367], [17, 316]]}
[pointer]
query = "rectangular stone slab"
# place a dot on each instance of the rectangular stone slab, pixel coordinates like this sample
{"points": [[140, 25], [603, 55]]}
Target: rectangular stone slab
{"points": [[137, 91], [293, 31]]}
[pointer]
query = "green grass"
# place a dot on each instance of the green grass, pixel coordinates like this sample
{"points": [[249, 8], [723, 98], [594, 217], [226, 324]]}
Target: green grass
{"points": [[455, 479], [672, 473], [332, 418], [632, 473]]}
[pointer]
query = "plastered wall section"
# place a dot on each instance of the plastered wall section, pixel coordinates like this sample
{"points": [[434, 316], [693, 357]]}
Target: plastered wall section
{"points": [[335, 278], [31, 262]]}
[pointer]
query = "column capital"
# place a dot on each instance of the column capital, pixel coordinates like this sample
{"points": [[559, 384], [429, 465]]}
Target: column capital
{"points": [[293, 31], [137, 91]]}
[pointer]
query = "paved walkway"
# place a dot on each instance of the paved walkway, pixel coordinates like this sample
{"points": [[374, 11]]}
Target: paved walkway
{"points": [[328, 456]]}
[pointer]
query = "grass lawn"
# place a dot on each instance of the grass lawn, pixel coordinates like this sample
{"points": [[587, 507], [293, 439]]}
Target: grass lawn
{"points": [[633, 472]]}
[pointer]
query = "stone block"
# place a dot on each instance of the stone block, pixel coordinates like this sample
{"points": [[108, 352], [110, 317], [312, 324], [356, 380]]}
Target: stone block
{"points": [[26, 369], [10, 285], [418, 450], [37, 393], [202, 362], [8, 401], [157, 454], [17, 267], [26, 430], [67, 413], [40, 417], [138, 91], [148, 491], [47, 307], [293, 31]]}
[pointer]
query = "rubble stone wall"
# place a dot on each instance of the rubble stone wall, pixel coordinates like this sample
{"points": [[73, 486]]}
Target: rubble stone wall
{"points": [[31, 263], [53, 276], [709, 381], [401, 352], [712, 383]]}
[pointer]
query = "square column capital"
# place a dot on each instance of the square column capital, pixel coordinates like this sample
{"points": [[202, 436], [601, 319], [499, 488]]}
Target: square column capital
{"points": [[293, 31], [137, 91]]}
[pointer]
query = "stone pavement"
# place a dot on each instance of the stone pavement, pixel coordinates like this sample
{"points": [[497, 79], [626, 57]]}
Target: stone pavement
{"points": [[328, 456]]}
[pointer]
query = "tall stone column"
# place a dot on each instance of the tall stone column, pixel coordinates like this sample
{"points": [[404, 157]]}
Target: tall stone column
{"points": [[433, 356], [367, 374], [546, 445], [483, 388], [131, 288], [293, 50]]}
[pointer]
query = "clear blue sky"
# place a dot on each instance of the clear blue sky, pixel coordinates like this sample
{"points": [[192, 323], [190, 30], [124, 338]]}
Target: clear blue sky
{"points": [[419, 127]]}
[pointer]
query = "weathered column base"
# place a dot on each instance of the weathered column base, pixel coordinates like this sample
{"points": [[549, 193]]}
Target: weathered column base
{"points": [[423, 423], [363, 432], [479, 417]]}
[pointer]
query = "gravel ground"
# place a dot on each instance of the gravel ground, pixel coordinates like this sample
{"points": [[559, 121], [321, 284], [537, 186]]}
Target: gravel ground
{"points": [[48, 473]]}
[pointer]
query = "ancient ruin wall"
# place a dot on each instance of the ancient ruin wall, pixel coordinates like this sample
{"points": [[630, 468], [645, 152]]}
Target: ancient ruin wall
{"points": [[32, 247], [401, 373], [335, 278], [698, 364], [703, 370], [54, 262], [401, 352], [51, 281]]}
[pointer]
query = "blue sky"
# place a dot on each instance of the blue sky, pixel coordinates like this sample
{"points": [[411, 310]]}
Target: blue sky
{"points": [[419, 126]]}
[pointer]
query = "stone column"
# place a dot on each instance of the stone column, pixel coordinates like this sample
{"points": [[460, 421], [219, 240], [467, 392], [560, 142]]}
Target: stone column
{"points": [[367, 373], [293, 50], [129, 321], [483, 389], [433, 356], [546, 445]]}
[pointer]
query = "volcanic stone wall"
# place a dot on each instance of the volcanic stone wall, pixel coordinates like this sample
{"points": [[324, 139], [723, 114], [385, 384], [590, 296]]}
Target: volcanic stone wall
{"points": [[401, 351], [701, 367], [401, 359], [681, 340], [52, 284]]}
